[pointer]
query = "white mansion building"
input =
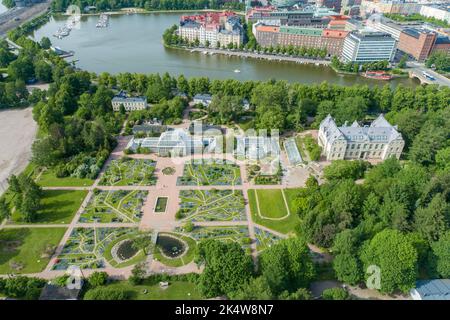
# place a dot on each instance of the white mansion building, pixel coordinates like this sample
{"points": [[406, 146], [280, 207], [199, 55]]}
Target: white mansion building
{"points": [[380, 140]]}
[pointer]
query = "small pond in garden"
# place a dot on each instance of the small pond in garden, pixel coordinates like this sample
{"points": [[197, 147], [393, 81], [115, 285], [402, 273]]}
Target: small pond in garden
{"points": [[126, 250], [170, 246]]}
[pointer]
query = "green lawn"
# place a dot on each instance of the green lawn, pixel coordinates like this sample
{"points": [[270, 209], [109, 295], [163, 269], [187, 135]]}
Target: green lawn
{"points": [[161, 204], [291, 194], [271, 203], [49, 179], [57, 206], [29, 249], [177, 290], [284, 226]]}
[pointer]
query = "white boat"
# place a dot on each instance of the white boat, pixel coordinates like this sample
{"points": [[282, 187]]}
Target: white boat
{"points": [[237, 70]]}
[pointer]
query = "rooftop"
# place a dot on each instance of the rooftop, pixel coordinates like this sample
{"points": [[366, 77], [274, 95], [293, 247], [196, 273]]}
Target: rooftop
{"points": [[437, 289]]}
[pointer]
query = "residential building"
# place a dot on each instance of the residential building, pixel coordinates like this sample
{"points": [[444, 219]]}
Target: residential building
{"points": [[418, 43], [380, 140], [177, 142], [272, 36], [204, 99], [440, 12], [367, 46], [212, 28], [436, 289], [369, 7], [129, 103]]}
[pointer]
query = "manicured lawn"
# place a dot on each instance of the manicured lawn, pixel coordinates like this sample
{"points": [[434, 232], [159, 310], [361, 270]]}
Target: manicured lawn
{"points": [[161, 204], [177, 290], [284, 226], [271, 203], [57, 206], [30, 248], [49, 179], [291, 194]]}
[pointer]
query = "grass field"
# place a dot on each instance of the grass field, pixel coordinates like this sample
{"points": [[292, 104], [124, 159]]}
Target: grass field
{"points": [[29, 249], [49, 179], [284, 226], [271, 204], [161, 204], [177, 290], [290, 195], [57, 206]]}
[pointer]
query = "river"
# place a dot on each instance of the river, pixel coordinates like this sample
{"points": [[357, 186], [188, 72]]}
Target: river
{"points": [[133, 43]]}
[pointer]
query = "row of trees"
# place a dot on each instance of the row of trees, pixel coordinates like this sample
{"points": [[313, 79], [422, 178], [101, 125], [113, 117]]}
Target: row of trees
{"points": [[102, 5], [439, 60], [356, 67]]}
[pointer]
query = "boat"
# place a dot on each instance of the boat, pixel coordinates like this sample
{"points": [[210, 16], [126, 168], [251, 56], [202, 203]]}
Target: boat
{"points": [[377, 75], [103, 21], [237, 70]]}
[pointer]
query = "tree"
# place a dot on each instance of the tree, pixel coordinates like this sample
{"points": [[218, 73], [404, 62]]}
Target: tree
{"points": [[342, 169], [346, 263], [255, 289], [137, 274], [441, 255], [396, 257], [98, 278], [287, 265], [432, 221], [5, 213], [227, 268], [142, 242], [300, 294], [45, 43], [335, 294], [402, 62]]}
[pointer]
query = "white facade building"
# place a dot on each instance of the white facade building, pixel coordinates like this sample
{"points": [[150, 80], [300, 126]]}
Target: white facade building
{"points": [[380, 140], [378, 23], [129, 103], [368, 46], [437, 12]]}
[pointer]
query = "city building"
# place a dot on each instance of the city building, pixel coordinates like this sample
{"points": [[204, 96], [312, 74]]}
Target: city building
{"points": [[272, 36], [367, 46], [440, 12], [176, 142], [306, 17], [212, 29], [369, 7], [129, 103], [442, 44], [417, 43], [204, 99], [380, 140], [436, 289], [381, 24]]}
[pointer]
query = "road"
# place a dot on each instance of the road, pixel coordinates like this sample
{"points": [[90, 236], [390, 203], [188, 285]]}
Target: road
{"points": [[16, 16], [419, 68]]}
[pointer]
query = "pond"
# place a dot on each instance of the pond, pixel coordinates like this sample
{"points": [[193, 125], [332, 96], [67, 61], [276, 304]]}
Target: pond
{"points": [[133, 43], [170, 246], [126, 250]]}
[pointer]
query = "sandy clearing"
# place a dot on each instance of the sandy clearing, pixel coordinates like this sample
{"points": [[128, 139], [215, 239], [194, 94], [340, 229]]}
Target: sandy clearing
{"points": [[17, 132]]}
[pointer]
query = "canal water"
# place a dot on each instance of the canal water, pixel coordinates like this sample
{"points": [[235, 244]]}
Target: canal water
{"points": [[133, 43]]}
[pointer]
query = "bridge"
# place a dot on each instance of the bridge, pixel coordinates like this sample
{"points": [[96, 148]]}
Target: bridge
{"points": [[416, 71]]}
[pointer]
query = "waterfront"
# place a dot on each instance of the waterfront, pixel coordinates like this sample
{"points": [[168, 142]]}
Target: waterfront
{"points": [[133, 43]]}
